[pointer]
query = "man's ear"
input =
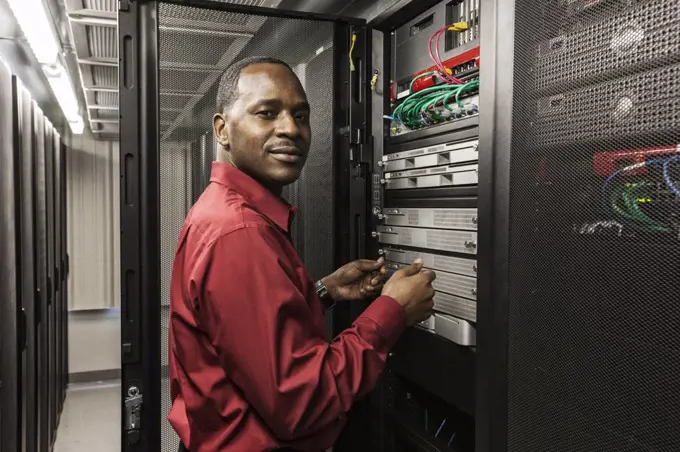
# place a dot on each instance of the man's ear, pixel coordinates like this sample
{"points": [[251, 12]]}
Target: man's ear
{"points": [[220, 130]]}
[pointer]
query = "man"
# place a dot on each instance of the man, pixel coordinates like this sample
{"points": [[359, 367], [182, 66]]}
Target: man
{"points": [[250, 367]]}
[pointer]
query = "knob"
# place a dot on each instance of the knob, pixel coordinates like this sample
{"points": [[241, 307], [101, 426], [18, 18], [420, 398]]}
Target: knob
{"points": [[475, 220], [374, 234], [381, 252]]}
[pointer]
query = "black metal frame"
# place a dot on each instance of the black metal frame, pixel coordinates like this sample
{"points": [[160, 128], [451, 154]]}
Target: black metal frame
{"points": [[140, 219], [497, 46], [29, 277], [40, 196], [10, 245], [140, 197]]}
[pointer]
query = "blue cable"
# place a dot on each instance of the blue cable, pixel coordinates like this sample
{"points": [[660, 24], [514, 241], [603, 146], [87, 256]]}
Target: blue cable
{"points": [[667, 174], [660, 161], [440, 428], [451, 440]]}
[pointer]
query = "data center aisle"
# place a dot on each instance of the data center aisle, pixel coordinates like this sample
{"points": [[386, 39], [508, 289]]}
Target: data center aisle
{"points": [[91, 419]]}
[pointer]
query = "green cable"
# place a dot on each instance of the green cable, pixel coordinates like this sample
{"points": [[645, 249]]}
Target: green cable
{"points": [[640, 221], [410, 111], [630, 198]]}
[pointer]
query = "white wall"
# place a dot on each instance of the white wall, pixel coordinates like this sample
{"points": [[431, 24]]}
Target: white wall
{"points": [[93, 177], [93, 340]]}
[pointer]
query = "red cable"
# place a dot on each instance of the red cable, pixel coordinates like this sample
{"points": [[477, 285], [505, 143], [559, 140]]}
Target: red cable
{"points": [[443, 73]]}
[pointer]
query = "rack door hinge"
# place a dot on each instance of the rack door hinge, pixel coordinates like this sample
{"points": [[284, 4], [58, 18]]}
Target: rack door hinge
{"points": [[124, 5]]}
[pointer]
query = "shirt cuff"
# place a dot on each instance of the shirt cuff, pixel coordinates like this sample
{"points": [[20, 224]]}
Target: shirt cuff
{"points": [[390, 317]]}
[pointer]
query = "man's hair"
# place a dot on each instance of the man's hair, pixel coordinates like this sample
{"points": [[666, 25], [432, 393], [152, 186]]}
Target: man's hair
{"points": [[227, 92]]}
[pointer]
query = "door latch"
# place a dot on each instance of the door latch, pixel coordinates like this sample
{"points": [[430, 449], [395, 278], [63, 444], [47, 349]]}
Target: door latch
{"points": [[133, 414]]}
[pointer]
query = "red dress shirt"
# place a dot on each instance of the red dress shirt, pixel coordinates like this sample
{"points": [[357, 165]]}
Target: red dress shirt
{"points": [[250, 367]]}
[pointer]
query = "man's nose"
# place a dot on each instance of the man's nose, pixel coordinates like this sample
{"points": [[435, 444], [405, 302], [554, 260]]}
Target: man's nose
{"points": [[286, 125]]}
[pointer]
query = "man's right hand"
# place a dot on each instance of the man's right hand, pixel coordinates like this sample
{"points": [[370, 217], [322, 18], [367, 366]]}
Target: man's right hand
{"points": [[412, 288]]}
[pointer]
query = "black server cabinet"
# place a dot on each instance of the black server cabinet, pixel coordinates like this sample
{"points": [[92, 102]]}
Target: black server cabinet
{"points": [[57, 275], [11, 328], [422, 198], [41, 268], [29, 277], [64, 273], [167, 101], [579, 321], [48, 132]]}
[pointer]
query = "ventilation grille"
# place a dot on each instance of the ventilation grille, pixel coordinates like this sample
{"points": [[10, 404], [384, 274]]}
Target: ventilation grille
{"points": [[634, 37], [639, 104], [593, 315]]}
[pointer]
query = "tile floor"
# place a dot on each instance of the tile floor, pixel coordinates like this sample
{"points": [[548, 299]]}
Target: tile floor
{"points": [[91, 419]]}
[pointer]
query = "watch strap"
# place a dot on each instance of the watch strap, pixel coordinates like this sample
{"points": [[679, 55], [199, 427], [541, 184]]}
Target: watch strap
{"points": [[324, 295]]}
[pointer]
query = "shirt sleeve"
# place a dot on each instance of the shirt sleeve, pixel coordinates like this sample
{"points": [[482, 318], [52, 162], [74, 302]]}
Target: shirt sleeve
{"points": [[263, 331]]}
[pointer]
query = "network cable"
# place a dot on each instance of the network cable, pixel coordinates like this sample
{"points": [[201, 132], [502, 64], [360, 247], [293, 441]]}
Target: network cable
{"points": [[667, 174]]}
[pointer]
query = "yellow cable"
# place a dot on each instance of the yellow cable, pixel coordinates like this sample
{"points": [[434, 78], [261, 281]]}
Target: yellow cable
{"points": [[459, 26], [351, 49]]}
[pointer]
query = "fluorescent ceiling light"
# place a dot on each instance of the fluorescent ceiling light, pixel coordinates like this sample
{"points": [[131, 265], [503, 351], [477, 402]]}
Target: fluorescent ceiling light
{"points": [[37, 28], [32, 19], [77, 126], [63, 90]]}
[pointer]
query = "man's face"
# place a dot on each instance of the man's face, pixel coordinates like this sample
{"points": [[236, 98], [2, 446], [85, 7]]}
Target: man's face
{"points": [[266, 131]]}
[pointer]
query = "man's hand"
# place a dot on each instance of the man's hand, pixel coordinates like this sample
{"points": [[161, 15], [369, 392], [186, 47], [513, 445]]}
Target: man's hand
{"points": [[412, 288], [356, 280]]}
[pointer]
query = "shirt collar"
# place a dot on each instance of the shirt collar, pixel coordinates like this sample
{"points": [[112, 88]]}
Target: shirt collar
{"points": [[261, 199]]}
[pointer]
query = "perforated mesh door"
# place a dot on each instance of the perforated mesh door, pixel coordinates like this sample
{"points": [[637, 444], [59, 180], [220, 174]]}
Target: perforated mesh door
{"points": [[594, 317], [195, 47]]}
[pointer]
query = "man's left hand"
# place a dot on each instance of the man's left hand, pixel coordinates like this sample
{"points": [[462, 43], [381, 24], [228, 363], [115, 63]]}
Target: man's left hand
{"points": [[357, 280]]}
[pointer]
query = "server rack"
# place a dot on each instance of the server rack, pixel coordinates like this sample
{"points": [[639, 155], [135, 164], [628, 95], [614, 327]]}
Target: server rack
{"points": [[10, 267], [574, 347], [423, 203], [30, 393], [29, 276]]}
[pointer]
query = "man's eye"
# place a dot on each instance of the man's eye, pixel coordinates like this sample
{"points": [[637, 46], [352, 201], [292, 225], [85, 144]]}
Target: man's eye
{"points": [[302, 116], [266, 114]]}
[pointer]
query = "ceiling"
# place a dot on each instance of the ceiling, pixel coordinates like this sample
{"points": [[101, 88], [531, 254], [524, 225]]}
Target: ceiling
{"points": [[208, 43], [187, 70]]}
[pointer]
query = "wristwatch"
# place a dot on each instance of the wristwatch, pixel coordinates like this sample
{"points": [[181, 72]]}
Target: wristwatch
{"points": [[324, 295]]}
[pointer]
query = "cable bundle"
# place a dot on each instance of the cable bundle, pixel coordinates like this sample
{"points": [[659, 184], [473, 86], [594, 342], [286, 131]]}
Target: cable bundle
{"points": [[424, 107], [444, 73], [624, 200], [431, 105]]}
